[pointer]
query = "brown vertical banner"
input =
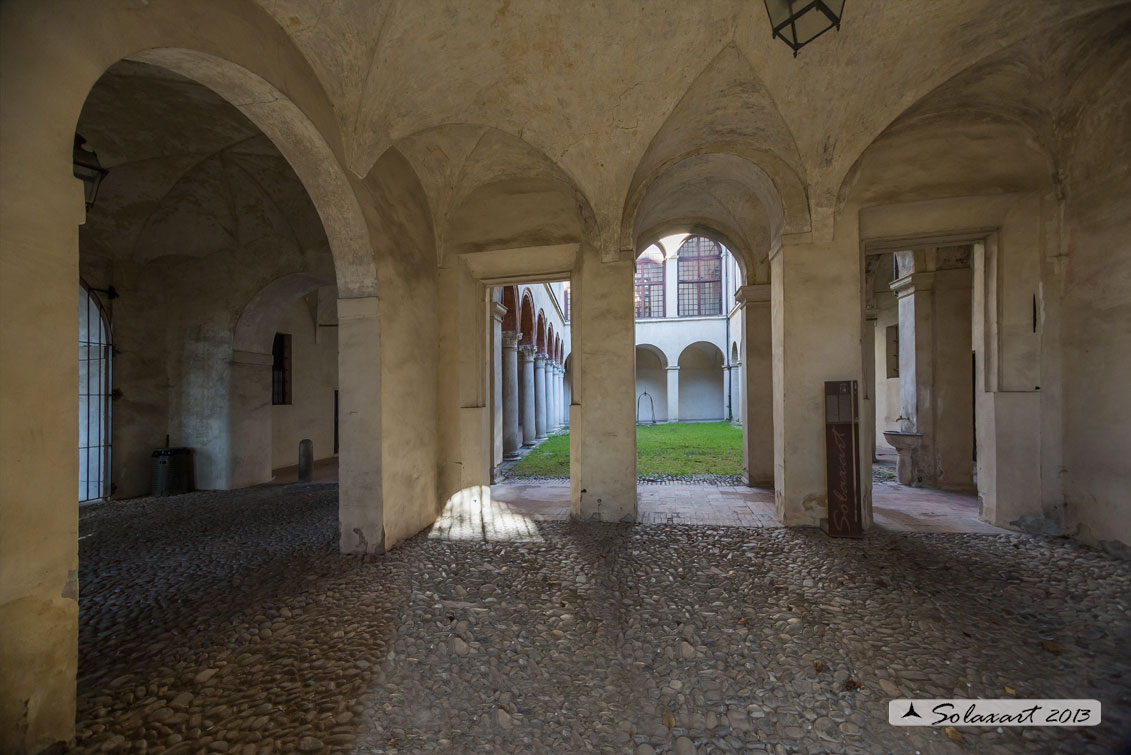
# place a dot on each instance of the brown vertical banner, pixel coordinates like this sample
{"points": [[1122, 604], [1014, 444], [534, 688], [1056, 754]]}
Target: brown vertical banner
{"points": [[842, 459]]}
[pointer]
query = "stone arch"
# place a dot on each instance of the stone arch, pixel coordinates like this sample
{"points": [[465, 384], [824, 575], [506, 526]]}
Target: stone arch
{"points": [[550, 352], [540, 333], [510, 301], [527, 319], [257, 322], [216, 43], [701, 390], [492, 189], [748, 129], [249, 411], [303, 145], [734, 352], [651, 379]]}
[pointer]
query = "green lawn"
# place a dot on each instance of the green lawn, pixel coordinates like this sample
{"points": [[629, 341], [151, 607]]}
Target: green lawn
{"points": [[675, 449]]}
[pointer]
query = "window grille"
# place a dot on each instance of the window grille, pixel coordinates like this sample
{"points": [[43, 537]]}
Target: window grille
{"points": [[649, 281], [700, 291], [94, 398]]}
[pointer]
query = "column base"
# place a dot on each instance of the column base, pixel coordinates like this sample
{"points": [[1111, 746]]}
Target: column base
{"points": [[512, 456]]}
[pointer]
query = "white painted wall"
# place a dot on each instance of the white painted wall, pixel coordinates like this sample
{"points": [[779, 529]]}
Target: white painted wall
{"points": [[651, 377], [700, 384]]}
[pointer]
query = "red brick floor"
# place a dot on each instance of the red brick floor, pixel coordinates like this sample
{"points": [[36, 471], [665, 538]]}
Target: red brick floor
{"points": [[895, 507]]}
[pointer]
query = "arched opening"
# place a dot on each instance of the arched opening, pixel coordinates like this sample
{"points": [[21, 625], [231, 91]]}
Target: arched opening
{"points": [[197, 210], [701, 395], [651, 385], [95, 393]]}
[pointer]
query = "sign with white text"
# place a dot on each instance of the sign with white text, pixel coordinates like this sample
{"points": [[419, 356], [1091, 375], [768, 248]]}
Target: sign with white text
{"points": [[994, 712]]}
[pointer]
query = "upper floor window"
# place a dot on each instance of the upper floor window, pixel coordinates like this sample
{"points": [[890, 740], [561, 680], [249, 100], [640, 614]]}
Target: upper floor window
{"points": [[700, 278], [650, 285]]}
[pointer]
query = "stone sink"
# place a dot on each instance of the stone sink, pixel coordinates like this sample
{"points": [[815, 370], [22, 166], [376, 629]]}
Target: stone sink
{"points": [[905, 444]]}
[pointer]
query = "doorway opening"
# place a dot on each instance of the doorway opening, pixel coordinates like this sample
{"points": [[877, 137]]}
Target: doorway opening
{"points": [[920, 323], [688, 330], [530, 368]]}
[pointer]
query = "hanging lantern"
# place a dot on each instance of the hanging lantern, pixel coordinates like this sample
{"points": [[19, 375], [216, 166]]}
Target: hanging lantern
{"points": [[799, 22], [87, 168]]}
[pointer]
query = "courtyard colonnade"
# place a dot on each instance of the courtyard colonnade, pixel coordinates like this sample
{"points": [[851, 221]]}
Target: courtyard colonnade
{"points": [[431, 199]]}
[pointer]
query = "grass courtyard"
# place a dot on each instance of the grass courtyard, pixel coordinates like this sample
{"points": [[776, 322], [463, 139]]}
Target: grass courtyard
{"points": [[694, 448]]}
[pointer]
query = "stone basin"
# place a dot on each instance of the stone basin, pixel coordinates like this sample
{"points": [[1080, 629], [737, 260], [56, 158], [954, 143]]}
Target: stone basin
{"points": [[907, 460], [901, 440]]}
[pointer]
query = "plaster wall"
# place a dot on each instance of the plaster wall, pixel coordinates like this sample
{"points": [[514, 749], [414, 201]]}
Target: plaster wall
{"points": [[651, 377], [602, 415], [701, 389], [886, 399], [817, 319], [672, 336], [954, 383], [314, 373], [1096, 333]]}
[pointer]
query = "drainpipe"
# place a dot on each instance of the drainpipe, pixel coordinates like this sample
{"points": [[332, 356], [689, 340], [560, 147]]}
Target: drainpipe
{"points": [[726, 349]]}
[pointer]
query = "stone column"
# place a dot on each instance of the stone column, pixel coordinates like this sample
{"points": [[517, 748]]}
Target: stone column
{"points": [[510, 394], [816, 317], [529, 433], [756, 386], [673, 393], [498, 312], [557, 396], [934, 290], [360, 502], [603, 416], [916, 362], [540, 394], [551, 396]]}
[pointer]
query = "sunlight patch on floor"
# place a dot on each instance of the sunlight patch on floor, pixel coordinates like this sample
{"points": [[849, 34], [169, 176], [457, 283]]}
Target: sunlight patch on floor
{"points": [[470, 514]]}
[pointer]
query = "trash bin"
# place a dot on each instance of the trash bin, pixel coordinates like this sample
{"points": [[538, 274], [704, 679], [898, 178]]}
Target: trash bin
{"points": [[172, 471]]}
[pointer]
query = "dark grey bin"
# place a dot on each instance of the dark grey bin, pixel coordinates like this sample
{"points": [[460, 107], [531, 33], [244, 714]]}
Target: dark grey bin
{"points": [[172, 471]]}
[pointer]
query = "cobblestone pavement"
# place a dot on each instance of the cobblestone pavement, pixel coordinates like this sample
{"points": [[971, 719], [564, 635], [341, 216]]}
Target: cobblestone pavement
{"points": [[218, 622]]}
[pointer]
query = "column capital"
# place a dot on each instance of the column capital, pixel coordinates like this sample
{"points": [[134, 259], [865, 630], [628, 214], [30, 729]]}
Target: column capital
{"points": [[753, 294], [539, 359], [510, 339], [498, 311], [527, 352], [912, 282]]}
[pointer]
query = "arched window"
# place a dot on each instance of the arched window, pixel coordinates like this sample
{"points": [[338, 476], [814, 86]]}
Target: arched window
{"points": [[94, 398], [650, 284], [700, 278]]}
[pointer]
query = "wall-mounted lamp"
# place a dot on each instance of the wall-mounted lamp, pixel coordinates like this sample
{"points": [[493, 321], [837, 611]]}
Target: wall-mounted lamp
{"points": [[799, 22], [87, 168]]}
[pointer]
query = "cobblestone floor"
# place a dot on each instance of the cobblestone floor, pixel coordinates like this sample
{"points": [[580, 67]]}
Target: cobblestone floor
{"points": [[219, 622]]}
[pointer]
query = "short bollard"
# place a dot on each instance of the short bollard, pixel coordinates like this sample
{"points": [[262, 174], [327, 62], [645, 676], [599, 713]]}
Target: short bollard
{"points": [[305, 460]]}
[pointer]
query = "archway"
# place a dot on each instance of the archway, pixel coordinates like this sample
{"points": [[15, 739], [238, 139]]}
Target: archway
{"points": [[701, 394], [285, 346], [651, 384], [40, 220], [95, 355]]}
